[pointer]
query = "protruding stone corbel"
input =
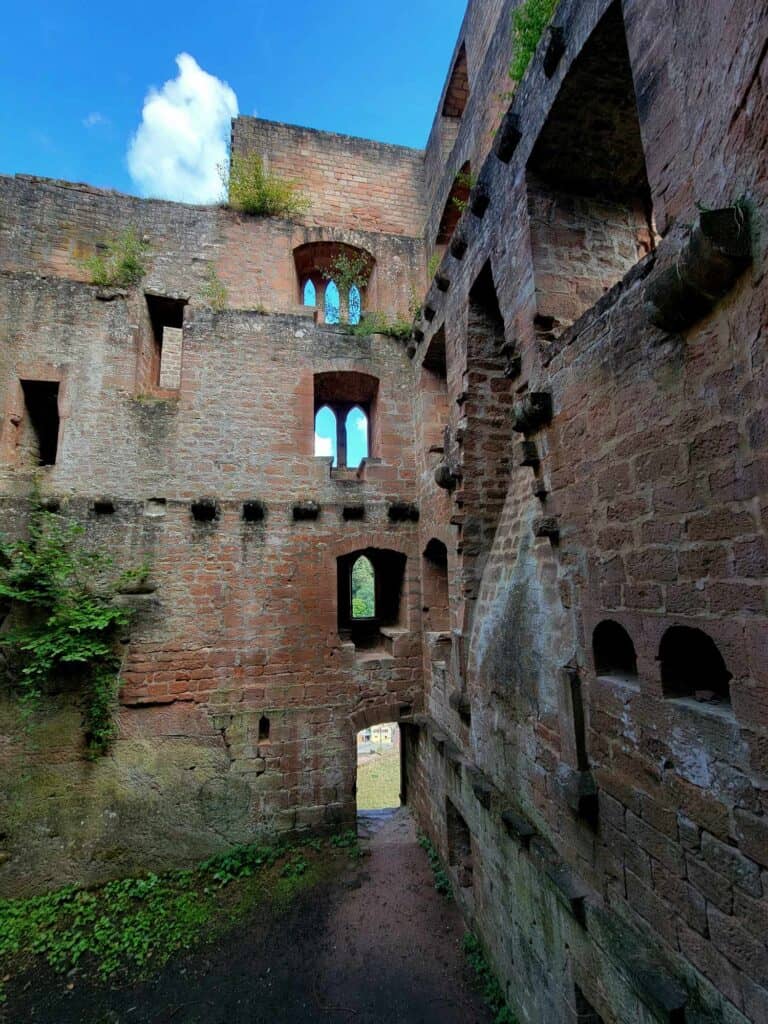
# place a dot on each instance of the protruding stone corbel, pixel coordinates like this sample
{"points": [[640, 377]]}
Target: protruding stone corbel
{"points": [[527, 454], [547, 526], [534, 410], [714, 257]]}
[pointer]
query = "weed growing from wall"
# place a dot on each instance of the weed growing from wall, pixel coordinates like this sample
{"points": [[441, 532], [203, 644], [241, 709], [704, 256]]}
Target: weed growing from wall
{"points": [[434, 262], [442, 881], [486, 982], [379, 323], [252, 189], [65, 621], [464, 180], [122, 264], [528, 24], [214, 292]]}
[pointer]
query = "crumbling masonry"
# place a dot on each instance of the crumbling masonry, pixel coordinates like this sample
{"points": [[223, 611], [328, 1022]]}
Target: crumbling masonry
{"points": [[565, 504]]}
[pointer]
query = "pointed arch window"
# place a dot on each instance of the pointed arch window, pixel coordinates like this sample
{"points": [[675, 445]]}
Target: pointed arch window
{"points": [[332, 303], [355, 305], [356, 428], [326, 434], [310, 293]]}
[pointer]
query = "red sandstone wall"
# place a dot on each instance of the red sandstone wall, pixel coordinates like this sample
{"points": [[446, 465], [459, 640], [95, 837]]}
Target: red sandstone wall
{"points": [[351, 182]]}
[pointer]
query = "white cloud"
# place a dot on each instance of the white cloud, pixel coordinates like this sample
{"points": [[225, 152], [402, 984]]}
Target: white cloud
{"points": [[323, 445], [94, 119], [183, 136]]}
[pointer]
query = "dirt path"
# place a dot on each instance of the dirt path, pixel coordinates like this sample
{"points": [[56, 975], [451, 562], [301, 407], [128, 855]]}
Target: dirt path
{"points": [[378, 946]]}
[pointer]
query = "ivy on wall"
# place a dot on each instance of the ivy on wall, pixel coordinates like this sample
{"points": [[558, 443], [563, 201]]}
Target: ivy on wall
{"points": [[64, 621]]}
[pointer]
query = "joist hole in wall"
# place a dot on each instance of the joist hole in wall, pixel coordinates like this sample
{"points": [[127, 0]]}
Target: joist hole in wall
{"points": [[204, 510], [167, 319], [41, 425], [589, 200], [692, 666], [103, 508]]}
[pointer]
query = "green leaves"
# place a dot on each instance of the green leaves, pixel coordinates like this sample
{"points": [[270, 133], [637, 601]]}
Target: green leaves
{"points": [[65, 617], [528, 24], [252, 189], [122, 264]]}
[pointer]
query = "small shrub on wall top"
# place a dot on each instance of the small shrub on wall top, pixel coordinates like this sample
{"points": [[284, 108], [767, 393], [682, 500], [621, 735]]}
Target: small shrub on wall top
{"points": [[528, 24], [252, 189], [122, 264], [64, 621]]}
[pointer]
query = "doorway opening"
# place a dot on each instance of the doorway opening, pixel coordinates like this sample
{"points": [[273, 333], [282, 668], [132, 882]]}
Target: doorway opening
{"points": [[379, 767]]}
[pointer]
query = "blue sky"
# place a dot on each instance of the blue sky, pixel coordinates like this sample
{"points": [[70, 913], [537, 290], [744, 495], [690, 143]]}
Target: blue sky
{"points": [[74, 78]]}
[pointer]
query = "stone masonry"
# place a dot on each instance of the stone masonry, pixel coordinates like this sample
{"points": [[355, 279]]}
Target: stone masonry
{"points": [[565, 503]]}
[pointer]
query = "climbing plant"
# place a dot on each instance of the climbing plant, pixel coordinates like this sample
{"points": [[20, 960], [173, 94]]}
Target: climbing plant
{"points": [[64, 619], [528, 23]]}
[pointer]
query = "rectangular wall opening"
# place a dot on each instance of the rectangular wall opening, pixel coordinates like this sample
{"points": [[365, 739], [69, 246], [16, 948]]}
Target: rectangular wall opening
{"points": [[167, 319], [589, 200], [459, 845], [40, 438], [379, 767]]}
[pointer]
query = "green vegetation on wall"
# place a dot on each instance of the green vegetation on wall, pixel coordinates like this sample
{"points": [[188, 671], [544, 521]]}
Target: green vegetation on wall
{"points": [[349, 271], [379, 323], [121, 264], [252, 189], [214, 292], [486, 981], [65, 622], [528, 24]]}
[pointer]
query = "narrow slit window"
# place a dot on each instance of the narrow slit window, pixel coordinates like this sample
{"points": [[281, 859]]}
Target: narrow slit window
{"points": [[263, 729], [357, 437], [41, 401], [363, 589], [326, 434], [332, 303], [167, 318]]}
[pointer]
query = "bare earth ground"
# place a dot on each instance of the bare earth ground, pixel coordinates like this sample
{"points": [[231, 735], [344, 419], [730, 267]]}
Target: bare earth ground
{"points": [[376, 945]]}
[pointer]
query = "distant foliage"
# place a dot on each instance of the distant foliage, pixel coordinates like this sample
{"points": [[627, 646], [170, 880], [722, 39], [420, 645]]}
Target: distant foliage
{"points": [[528, 24], [214, 292], [363, 590], [122, 264], [66, 619], [252, 189]]}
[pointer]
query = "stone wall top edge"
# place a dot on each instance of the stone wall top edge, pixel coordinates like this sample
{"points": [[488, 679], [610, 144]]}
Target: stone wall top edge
{"points": [[297, 129]]}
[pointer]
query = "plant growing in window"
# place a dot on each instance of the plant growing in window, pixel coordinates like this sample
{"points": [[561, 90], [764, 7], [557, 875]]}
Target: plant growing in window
{"points": [[65, 621]]}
